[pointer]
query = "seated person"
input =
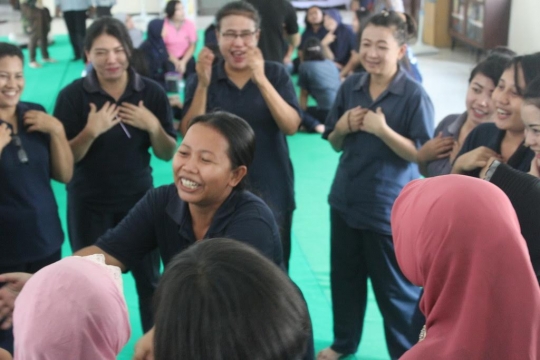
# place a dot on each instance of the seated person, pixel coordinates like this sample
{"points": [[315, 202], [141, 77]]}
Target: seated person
{"points": [[523, 189], [314, 27], [157, 57], [505, 137], [135, 34], [340, 41], [463, 246], [72, 309], [437, 155], [180, 37], [224, 284], [354, 64], [319, 78]]}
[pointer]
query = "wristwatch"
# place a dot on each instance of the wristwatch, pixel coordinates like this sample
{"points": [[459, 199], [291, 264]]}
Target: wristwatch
{"points": [[492, 168]]}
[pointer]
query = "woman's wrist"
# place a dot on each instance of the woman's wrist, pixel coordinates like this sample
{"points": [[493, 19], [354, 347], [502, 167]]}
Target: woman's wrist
{"points": [[491, 170]]}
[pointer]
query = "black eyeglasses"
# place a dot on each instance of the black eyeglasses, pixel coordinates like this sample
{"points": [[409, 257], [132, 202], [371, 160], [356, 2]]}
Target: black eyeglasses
{"points": [[21, 153], [246, 36]]}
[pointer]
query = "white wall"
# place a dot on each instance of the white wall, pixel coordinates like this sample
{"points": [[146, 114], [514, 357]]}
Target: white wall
{"points": [[135, 6], [524, 35]]}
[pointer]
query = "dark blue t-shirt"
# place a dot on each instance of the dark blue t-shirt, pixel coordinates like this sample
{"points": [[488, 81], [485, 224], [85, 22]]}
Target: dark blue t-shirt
{"points": [[162, 220], [370, 175], [309, 32], [30, 228], [271, 174], [344, 43], [489, 135], [116, 167]]}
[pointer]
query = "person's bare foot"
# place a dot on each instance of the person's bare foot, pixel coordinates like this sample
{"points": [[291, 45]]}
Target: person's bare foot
{"points": [[34, 65], [328, 354]]}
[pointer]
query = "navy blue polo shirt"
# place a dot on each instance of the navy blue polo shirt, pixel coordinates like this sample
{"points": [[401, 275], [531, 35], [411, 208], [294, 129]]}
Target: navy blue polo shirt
{"points": [[449, 126], [162, 220], [116, 166], [309, 32], [489, 135], [271, 174], [370, 175], [29, 224], [344, 43]]}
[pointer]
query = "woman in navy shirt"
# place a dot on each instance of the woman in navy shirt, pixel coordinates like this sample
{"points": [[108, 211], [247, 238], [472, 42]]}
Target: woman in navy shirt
{"points": [[258, 91], [378, 121], [207, 200], [113, 117], [340, 40], [503, 139], [33, 150]]}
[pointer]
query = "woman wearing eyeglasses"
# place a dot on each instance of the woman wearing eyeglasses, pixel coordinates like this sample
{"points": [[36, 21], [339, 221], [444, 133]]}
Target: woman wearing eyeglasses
{"points": [[258, 91], [33, 149]]}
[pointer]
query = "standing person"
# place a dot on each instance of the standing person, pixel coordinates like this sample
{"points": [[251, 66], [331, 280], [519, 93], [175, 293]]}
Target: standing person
{"points": [[113, 117], [103, 8], [33, 150], [278, 16], [378, 121], [463, 246], [74, 12], [503, 139], [258, 91], [180, 37], [39, 20]]}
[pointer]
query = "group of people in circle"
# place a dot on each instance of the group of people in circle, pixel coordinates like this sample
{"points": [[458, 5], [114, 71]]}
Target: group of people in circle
{"points": [[223, 227]]}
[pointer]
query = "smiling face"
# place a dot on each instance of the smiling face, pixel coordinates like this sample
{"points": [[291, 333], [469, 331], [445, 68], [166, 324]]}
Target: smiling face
{"points": [[530, 114], [11, 81], [202, 168], [479, 104], [380, 51], [508, 102], [237, 34], [108, 57]]}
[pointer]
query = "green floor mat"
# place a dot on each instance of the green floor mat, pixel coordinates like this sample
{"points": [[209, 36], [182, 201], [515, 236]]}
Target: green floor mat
{"points": [[314, 164]]}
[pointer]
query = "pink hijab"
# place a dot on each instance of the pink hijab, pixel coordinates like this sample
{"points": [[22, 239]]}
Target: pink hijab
{"points": [[72, 309], [459, 238]]}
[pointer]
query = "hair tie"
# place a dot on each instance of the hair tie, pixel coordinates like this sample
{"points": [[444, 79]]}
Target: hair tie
{"points": [[314, 48]]}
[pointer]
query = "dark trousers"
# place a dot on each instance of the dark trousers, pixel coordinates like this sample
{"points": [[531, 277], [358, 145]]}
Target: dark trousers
{"points": [[38, 20], [76, 26], [355, 256], [312, 117], [86, 224], [6, 336], [102, 11], [284, 223]]}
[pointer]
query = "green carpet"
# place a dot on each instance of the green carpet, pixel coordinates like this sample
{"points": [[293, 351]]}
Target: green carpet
{"points": [[314, 165]]}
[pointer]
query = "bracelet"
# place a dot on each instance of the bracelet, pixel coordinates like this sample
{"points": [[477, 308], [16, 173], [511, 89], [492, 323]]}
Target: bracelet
{"points": [[349, 121]]}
